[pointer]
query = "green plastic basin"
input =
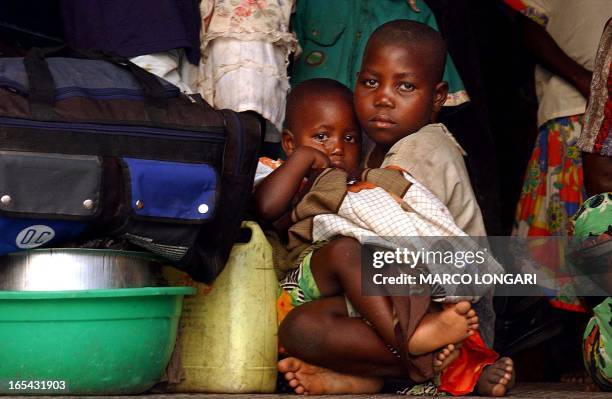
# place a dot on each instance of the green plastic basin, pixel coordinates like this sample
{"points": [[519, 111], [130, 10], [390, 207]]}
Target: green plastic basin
{"points": [[98, 342]]}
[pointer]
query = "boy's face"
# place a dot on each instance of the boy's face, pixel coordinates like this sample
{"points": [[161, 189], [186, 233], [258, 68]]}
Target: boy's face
{"points": [[396, 94], [329, 125]]}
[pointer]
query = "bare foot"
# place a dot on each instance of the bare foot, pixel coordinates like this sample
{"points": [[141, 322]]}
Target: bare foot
{"points": [[497, 378], [590, 386], [307, 379], [575, 377], [445, 356], [453, 324]]}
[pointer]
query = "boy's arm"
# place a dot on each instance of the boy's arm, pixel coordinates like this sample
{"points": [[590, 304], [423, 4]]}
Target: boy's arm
{"points": [[274, 194]]}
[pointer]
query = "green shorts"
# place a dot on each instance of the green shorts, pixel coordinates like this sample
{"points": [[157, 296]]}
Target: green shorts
{"points": [[301, 286]]}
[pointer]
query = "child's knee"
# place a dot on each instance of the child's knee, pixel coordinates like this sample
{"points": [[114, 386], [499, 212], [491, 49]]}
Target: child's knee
{"points": [[298, 332]]}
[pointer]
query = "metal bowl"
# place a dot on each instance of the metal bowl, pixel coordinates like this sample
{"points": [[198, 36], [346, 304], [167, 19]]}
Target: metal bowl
{"points": [[64, 269]]}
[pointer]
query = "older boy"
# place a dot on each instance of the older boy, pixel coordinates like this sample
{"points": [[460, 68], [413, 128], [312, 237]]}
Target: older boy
{"points": [[398, 96]]}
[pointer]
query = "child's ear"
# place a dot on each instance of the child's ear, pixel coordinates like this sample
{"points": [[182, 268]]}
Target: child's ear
{"points": [[439, 99], [287, 142]]}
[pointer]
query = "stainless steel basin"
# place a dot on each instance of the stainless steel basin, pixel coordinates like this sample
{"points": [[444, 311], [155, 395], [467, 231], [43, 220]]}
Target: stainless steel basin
{"points": [[60, 269]]}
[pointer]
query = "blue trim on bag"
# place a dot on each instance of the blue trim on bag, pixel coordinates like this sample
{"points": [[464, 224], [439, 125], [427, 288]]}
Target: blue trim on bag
{"points": [[172, 190]]}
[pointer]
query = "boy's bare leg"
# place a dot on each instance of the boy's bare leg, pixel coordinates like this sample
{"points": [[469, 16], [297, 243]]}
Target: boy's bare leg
{"points": [[336, 268], [321, 333]]}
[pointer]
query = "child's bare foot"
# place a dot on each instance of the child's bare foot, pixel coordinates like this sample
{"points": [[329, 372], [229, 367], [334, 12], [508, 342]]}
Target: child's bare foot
{"points": [[445, 356], [590, 386], [307, 379], [497, 378], [453, 324], [575, 377]]}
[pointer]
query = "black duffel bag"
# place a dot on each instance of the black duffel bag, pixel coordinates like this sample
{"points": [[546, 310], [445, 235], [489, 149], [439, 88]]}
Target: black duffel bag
{"points": [[92, 145]]}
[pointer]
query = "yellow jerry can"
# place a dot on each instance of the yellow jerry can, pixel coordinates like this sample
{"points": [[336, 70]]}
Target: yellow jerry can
{"points": [[228, 330]]}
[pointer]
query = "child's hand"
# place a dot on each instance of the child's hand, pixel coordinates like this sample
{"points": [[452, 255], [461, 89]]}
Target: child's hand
{"points": [[274, 194], [316, 158]]}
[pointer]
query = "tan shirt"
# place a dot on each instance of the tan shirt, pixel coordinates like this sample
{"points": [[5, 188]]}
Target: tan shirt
{"points": [[435, 159], [576, 26]]}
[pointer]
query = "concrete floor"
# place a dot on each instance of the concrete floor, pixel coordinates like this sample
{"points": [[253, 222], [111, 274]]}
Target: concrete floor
{"points": [[522, 391]]}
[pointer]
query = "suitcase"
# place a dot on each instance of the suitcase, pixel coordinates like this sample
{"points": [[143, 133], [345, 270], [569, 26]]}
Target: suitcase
{"points": [[92, 145]]}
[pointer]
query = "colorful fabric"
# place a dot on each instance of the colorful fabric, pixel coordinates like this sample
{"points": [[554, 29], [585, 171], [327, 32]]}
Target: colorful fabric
{"points": [[552, 192], [296, 288], [596, 135], [461, 376], [592, 230], [594, 217], [333, 36], [248, 20], [597, 345]]}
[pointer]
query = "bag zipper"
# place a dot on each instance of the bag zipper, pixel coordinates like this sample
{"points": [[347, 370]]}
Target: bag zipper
{"points": [[106, 94], [212, 133], [93, 93]]}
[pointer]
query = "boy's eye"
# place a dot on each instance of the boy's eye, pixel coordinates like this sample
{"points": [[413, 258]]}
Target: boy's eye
{"points": [[371, 83], [350, 138], [405, 86], [320, 136]]}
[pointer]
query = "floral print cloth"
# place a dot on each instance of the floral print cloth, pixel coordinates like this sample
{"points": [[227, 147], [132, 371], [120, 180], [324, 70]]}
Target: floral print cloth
{"points": [[552, 192], [245, 48], [597, 345]]}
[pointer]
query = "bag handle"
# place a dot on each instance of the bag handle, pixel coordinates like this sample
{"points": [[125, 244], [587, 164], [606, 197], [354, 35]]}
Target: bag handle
{"points": [[42, 86]]}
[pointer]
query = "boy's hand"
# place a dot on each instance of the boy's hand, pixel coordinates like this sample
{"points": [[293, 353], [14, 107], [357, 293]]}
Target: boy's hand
{"points": [[317, 159], [274, 194]]}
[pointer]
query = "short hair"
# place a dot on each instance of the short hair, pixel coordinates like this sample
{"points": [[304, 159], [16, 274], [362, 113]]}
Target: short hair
{"points": [[416, 35], [312, 90]]}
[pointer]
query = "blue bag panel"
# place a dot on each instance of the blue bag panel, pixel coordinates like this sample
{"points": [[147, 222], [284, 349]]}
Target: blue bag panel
{"points": [[22, 234], [171, 190]]}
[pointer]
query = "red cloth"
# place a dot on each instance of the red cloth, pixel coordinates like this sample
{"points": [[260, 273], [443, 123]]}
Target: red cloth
{"points": [[461, 376]]}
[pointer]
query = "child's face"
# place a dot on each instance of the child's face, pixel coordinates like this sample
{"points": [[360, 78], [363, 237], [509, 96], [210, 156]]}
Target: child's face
{"points": [[395, 93], [330, 126]]}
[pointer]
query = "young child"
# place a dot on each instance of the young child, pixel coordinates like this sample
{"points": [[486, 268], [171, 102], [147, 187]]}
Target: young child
{"points": [[398, 94]]}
